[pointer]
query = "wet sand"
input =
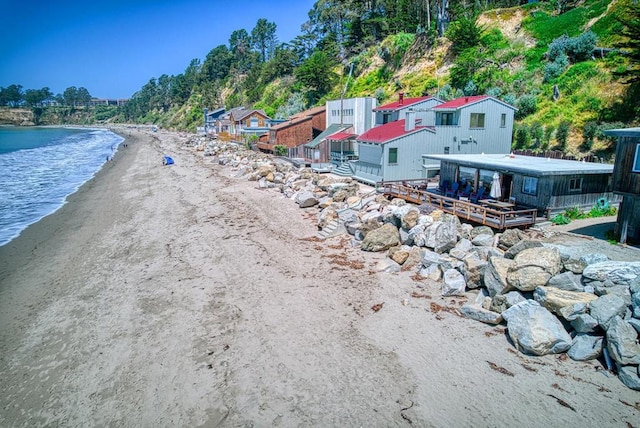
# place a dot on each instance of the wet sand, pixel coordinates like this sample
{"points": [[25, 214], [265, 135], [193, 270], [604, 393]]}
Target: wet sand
{"points": [[181, 296]]}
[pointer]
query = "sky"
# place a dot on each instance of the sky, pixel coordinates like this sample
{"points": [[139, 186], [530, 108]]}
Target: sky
{"points": [[112, 48]]}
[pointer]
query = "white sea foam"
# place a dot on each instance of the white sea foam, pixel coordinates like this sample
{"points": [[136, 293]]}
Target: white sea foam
{"points": [[36, 182]]}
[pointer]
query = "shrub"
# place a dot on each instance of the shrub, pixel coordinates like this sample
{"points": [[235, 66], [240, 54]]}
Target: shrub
{"points": [[470, 88], [280, 150], [526, 104], [588, 134], [573, 213], [560, 219], [562, 133], [555, 68], [523, 138]]}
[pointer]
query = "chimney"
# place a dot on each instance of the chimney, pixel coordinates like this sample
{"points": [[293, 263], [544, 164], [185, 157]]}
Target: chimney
{"points": [[466, 99], [401, 98], [410, 121]]}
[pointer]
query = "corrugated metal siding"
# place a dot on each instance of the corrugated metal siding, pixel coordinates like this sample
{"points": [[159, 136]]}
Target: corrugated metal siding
{"points": [[371, 153]]}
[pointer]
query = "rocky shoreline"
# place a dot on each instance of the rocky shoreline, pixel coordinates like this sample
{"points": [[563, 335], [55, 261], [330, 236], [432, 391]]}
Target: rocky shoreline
{"points": [[551, 298]]}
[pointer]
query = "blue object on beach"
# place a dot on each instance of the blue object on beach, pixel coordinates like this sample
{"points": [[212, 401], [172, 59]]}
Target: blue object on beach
{"points": [[167, 160]]}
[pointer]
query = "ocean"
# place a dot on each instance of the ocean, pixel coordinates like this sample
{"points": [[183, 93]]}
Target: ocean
{"points": [[40, 167]]}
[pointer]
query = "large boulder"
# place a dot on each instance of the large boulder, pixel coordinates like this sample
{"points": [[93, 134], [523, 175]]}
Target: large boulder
{"points": [[566, 281], [622, 342], [478, 313], [630, 376], [509, 238], [441, 236], [606, 308], [533, 268], [495, 275], [535, 330], [381, 239], [555, 299], [410, 219], [585, 347], [525, 244], [621, 273], [474, 268], [584, 323], [453, 283], [306, 199]]}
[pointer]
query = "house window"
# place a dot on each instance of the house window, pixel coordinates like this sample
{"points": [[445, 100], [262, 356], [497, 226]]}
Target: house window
{"points": [[446, 150], [477, 120], [503, 120], [393, 155], [254, 122], [466, 174], [446, 119], [530, 186], [575, 184], [386, 118], [636, 160]]}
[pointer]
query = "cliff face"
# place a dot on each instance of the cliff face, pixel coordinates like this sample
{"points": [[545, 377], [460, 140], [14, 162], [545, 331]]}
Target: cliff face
{"points": [[16, 116]]}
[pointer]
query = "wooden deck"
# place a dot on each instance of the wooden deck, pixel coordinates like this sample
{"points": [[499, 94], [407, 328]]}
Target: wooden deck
{"points": [[495, 218]]}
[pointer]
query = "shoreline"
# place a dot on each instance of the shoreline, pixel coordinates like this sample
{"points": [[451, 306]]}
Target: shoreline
{"points": [[182, 296]]}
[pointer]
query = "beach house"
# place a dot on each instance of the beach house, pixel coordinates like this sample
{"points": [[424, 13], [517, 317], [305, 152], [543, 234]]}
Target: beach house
{"points": [[626, 182], [422, 106], [296, 131], [549, 185]]}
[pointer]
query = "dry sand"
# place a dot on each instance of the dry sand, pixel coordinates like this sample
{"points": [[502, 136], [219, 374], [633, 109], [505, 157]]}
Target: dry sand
{"points": [[180, 296]]}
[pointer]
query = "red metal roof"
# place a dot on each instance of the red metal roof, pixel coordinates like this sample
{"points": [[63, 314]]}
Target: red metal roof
{"points": [[387, 132], [402, 104], [341, 136], [460, 102]]}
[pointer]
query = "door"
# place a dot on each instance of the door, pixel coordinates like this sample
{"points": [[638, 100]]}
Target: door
{"points": [[507, 182]]}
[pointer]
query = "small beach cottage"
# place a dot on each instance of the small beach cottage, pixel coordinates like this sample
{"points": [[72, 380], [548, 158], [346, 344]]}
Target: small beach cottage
{"points": [[550, 185], [626, 182], [296, 131]]}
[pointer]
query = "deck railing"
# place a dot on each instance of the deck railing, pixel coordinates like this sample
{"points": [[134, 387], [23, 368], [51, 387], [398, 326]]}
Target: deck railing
{"points": [[497, 219]]}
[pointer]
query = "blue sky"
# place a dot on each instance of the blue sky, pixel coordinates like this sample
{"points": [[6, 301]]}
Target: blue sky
{"points": [[113, 48]]}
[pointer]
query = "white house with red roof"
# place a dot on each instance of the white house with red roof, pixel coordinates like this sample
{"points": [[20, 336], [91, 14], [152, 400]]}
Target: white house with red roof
{"points": [[392, 151], [422, 106], [474, 125], [467, 125]]}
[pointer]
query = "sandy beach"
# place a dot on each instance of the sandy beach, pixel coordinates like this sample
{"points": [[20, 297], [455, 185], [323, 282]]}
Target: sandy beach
{"points": [[182, 296]]}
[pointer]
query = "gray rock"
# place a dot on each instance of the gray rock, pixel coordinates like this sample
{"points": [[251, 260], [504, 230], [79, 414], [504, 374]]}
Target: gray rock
{"points": [[635, 323], [478, 313], [483, 240], [566, 281], [482, 296], [410, 218], [453, 283], [387, 265], [584, 323], [606, 308], [480, 230], [417, 234], [629, 376], [462, 249], [618, 290], [535, 330], [555, 299], [441, 236], [585, 347], [620, 273], [622, 342], [533, 268], [635, 304], [306, 199], [474, 270], [590, 259], [432, 272], [514, 297], [495, 276], [509, 238], [405, 238], [499, 303], [634, 286], [571, 312], [574, 265], [381, 239], [521, 246]]}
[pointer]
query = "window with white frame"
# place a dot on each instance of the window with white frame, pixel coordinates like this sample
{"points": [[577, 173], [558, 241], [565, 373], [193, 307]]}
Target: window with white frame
{"points": [[530, 185], [575, 184], [636, 160], [477, 120]]}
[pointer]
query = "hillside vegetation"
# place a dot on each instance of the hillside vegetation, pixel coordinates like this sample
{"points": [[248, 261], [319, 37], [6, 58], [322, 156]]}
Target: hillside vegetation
{"points": [[570, 67]]}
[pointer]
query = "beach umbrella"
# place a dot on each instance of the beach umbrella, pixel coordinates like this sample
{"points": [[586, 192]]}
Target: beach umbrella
{"points": [[496, 188]]}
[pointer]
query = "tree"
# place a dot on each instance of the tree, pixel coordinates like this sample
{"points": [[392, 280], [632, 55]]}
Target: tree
{"points": [[630, 20], [217, 64], [464, 33], [263, 38], [35, 97], [316, 74], [12, 95], [240, 48], [562, 134]]}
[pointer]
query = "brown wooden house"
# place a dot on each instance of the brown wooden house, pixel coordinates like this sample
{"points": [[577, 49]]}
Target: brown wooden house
{"points": [[295, 132], [626, 182]]}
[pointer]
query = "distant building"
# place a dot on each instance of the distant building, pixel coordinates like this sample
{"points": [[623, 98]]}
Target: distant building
{"points": [[626, 182], [355, 112], [293, 133]]}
